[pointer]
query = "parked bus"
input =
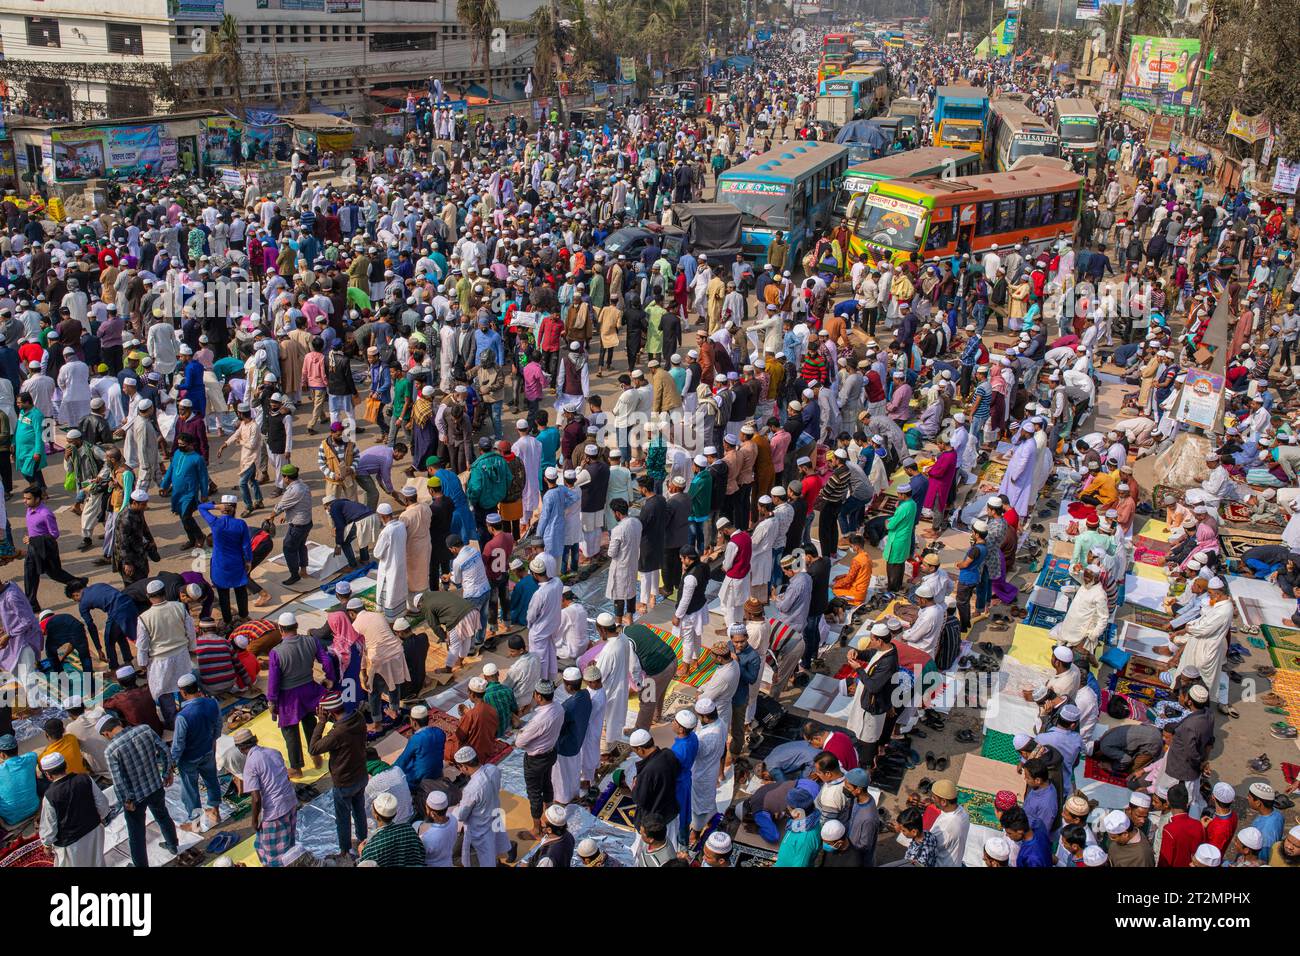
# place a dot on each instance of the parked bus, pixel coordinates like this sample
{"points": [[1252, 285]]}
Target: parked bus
{"points": [[1075, 121], [833, 64], [1016, 131], [927, 161], [789, 190], [873, 86], [937, 218]]}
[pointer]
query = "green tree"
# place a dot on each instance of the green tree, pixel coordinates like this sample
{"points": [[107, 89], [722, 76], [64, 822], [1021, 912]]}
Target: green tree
{"points": [[481, 18]]}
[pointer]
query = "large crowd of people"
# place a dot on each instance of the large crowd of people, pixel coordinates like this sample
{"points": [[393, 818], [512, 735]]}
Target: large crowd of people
{"points": [[439, 385]]}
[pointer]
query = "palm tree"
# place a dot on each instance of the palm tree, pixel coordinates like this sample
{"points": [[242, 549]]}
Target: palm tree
{"points": [[1151, 17], [481, 18], [224, 61]]}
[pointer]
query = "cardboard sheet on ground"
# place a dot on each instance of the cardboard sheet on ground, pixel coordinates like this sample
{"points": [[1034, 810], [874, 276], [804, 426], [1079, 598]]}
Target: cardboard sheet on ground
{"points": [[1107, 795], [825, 698], [1145, 592], [1032, 646], [322, 562], [990, 776], [1142, 641], [1045, 597], [268, 734], [1011, 714]]}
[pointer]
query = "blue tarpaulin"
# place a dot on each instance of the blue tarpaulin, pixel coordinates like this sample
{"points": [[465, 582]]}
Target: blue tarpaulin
{"points": [[864, 133]]}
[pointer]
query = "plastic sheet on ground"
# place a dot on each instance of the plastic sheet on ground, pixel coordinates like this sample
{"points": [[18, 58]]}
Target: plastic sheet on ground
{"points": [[1010, 714], [615, 842], [976, 837]]}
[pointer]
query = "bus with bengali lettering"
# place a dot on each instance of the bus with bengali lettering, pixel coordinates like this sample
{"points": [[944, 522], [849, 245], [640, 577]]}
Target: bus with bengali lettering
{"points": [[1037, 203], [788, 190], [926, 162], [837, 43], [1015, 131], [833, 64], [1075, 121]]}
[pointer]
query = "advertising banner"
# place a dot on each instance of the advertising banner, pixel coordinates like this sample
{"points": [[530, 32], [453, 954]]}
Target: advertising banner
{"points": [[197, 11], [1287, 176], [78, 154], [1249, 128], [1088, 10], [1160, 71], [1199, 404], [219, 140], [129, 148]]}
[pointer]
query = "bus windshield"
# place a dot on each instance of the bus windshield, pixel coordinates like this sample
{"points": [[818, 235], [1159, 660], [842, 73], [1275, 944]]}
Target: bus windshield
{"points": [[1076, 131], [1021, 148], [956, 133], [890, 222], [760, 204]]}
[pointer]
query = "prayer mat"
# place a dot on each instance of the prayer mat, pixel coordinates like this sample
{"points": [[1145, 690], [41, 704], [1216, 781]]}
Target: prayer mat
{"points": [[979, 806], [1081, 512], [1146, 617], [1032, 646], [268, 734], [30, 852], [1055, 574], [1284, 660], [1094, 770], [991, 479], [1145, 693], [1151, 543], [1000, 747], [1283, 638], [1286, 684], [1236, 543], [705, 664], [616, 807], [1143, 673], [1289, 773], [745, 855], [1150, 556], [1244, 517], [1044, 617], [447, 723]]}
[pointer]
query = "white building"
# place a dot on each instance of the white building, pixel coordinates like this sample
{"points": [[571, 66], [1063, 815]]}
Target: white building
{"points": [[91, 59]]}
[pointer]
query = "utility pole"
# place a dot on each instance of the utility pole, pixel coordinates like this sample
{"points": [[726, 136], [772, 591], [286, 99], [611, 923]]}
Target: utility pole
{"points": [[961, 27], [1119, 32], [991, 3]]}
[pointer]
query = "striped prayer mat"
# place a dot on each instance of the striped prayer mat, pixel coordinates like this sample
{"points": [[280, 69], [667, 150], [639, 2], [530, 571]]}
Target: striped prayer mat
{"points": [[1283, 638], [704, 666]]}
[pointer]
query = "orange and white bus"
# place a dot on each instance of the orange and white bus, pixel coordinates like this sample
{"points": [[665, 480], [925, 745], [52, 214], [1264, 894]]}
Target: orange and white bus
{"points": [[837, 43], [938, 218]]}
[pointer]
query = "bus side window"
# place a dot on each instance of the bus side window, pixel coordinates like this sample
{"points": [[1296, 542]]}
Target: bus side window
{"points": [[1066, 203], [797, 214], [1046, 207], [940, 235], [1029, 212], [1006, 216], [985, 223]]}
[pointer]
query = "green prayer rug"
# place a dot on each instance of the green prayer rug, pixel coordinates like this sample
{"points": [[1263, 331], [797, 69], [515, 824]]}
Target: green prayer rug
{"points": [[979, 805], [999, 746]]}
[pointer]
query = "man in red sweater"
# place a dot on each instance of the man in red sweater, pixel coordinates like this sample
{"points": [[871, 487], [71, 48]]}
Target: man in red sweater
{"points": [[1181, 835], [1222, 824]]}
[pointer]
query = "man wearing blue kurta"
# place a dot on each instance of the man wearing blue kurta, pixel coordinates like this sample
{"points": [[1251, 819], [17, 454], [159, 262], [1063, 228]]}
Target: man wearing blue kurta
{"points": [[186, 480], [462, 517], [232, 555], [192, 386], [421, 759], [550, 526]]}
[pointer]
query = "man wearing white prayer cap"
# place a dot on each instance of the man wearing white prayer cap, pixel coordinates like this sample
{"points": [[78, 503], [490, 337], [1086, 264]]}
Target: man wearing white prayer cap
{"points": [[1248, 842], [1207, 854], [614, 661], [926, 630], [1203, 642], [576, 707], [875, 660], [73, 809], [997, 851], [438, 832], [479, 810], [166, 641], [717, 850]]}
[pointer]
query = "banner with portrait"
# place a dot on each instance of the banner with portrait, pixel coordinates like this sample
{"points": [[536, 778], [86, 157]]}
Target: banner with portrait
{"points": [[78, 154]]}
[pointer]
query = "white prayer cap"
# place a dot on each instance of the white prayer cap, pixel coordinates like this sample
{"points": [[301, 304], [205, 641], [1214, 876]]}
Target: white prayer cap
{"points": [[356, 604], [551, 473], [521, 424], [490, 670], [436, 800], [1224, 793], [588, 848], [832, 830], [186, 680], [384, 509], [1251, 838], [701, 461], [229, 500], [1094, 856], [537, 565], [640, 738], [804, 460], [139, 495], [1207, 854], [155, 586], [995, 502], [385, 805], [705, 705], [477, 685], [1262, 791], [1116, 822], [1021, 741], [288, 619], [926, 590], [720, 842], [410, 491], [71, 703], [998, 848], [145, 405], [1139, 799], [426, 392], [778, 491], [686, 719], [1063, 654], [572, 674], [53, 761], [880, 629], [591, 450], [223, 861], [464, 754], [1198, 693], [605, 619], [1070, 713], [125, 671], [765, 500], [419, 711], [1216, 583], [723, 522], [343, 587]]}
